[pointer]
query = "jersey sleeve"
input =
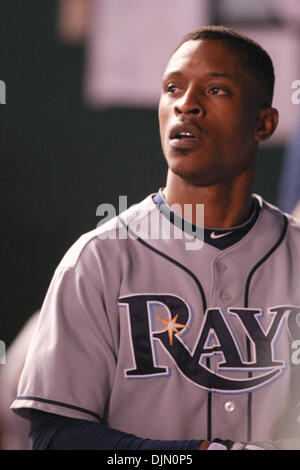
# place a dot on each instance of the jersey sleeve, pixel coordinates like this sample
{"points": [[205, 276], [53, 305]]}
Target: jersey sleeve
{"points": [[71, 360]]}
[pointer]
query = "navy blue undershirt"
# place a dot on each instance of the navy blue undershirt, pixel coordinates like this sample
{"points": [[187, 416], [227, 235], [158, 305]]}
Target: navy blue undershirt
{"points": [[224, 237], [54, 432]]}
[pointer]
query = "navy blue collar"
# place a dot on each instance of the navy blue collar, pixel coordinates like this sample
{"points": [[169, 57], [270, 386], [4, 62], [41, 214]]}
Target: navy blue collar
{"points": [[219, 238]]}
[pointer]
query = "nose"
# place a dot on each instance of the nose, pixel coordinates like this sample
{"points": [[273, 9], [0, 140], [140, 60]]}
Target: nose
{"points": [[189, 103]]}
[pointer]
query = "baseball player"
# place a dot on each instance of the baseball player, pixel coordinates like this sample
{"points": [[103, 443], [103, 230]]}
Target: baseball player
{"points": [[157, 333]]}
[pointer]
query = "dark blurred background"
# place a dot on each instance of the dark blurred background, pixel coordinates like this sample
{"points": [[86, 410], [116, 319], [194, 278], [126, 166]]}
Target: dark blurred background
{"points": [[60, 158]]}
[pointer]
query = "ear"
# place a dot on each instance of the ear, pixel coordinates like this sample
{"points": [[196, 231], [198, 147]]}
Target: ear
{"points": [[266, 124]]}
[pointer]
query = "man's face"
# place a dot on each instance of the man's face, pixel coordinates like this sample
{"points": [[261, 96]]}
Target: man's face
{"points": [[208, 113]]}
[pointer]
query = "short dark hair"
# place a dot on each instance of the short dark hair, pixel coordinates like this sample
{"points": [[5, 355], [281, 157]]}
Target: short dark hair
{"points": [[257, 60]]}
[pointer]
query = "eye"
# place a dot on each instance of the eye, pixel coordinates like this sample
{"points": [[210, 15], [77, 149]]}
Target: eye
{"points": [[171, 88], [217, 91]]}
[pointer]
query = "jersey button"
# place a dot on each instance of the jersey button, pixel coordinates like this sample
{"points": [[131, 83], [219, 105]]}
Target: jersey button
{"points": [[225, 296], [229, 406], [221, 267]]}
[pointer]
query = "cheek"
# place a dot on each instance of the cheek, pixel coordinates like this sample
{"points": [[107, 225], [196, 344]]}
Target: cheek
{"points": [[162, 119], [234, 127]]}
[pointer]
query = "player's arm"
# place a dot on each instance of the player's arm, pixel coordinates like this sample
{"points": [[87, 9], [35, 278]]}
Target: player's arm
{"points": [[55, 432]]}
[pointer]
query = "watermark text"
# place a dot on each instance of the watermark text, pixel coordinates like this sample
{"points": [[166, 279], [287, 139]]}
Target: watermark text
{"points": [[296, 94], [172, 222], [2, 352], [2, 92]]}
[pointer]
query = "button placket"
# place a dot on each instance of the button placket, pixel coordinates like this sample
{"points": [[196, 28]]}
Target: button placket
{"points": [[220, 297]]}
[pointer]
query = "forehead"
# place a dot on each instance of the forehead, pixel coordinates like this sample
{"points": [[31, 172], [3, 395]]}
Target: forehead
{"points": [[206, 56]]}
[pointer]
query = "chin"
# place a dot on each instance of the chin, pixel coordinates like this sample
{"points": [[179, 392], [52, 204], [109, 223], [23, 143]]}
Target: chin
{"points": [[192, 170], [199, 177]]}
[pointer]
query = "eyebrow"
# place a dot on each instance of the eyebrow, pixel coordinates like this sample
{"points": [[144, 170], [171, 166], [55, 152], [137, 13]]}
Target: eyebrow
{"points": [[221, 74], [210, 74]]}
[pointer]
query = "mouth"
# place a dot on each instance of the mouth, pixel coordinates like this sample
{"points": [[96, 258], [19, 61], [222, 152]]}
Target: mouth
{"points": [[185, 136]]}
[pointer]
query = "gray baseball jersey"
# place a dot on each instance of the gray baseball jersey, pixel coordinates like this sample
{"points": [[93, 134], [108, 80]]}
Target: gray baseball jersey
{"points": [[163, 341]]}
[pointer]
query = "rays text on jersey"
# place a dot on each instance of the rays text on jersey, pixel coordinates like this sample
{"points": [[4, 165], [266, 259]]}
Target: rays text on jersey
{"points": [[216, 339]]}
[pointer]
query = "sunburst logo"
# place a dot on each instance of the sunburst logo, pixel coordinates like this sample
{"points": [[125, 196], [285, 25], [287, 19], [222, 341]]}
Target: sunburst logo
{"points": [[172, 327]]}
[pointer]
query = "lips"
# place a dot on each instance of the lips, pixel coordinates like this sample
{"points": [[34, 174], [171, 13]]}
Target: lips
{"points": [[185, 135]]}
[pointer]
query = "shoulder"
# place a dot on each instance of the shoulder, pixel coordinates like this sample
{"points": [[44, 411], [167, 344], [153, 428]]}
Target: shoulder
{"points": [[108, 236], [288, 223]]}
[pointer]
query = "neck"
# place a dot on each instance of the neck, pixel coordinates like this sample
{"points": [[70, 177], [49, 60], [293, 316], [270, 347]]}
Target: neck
{"points": [[226, 204]]}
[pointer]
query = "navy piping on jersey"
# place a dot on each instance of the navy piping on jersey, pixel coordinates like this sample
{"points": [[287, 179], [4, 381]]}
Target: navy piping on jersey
{"points": [[58, 403], [246, 304]]}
